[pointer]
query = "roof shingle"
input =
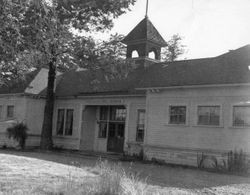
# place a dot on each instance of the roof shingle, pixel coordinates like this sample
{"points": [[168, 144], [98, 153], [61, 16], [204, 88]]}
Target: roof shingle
{"points": [[145, 31], [229, 68]]}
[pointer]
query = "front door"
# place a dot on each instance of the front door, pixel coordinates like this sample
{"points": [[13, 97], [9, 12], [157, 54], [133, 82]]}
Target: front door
{"points": [[116, 137], [113, 118]]}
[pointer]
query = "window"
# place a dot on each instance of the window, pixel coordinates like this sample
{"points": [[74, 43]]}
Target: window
{"points": [[64, 127], [10, 111], [241, 116], [103, 129], [103, 123], [140, 126], [209, 115], [69, 122], [177, 114], [117, 113], [108, 114], [1, 110]]}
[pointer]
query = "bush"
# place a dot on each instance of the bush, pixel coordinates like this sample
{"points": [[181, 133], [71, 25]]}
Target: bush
{"points": [[237, 162], [19, 133]]}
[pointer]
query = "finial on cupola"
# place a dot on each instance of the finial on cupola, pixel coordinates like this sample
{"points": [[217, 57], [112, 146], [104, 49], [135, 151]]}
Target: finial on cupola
{"points": [[146, 10]]}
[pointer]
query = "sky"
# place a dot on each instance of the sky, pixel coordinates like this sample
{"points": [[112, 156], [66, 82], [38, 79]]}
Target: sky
{"points": [[208, 27]]}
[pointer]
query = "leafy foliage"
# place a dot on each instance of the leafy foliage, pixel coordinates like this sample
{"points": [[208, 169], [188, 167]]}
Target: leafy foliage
{"points": [[34, 33], [19, 133], [174, 49], [11, 41], [45, 29]]}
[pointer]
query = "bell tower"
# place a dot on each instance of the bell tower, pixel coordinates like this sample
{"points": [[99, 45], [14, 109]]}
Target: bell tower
{"points": [[144, 42]]}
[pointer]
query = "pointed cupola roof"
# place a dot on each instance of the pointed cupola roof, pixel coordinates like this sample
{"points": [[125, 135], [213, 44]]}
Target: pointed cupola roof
{"points": [[145, 31]]}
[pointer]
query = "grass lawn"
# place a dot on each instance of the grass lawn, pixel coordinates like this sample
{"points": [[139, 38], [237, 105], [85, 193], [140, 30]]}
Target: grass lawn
{"points": [[53, 173]]}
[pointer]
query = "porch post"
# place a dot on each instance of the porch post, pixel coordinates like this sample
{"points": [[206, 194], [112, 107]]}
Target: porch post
{"points": [[126, 136], [82, 108]]}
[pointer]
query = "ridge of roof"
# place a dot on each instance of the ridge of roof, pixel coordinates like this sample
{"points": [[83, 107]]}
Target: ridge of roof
{"points": [[245, 48], [185, 60], [230, 52]]}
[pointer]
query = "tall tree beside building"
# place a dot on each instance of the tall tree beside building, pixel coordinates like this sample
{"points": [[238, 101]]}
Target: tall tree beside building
{"points": [[44, 27]]}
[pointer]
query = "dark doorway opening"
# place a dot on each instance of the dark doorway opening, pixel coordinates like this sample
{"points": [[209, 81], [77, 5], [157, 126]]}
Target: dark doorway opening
{"points": [[115, 117]]}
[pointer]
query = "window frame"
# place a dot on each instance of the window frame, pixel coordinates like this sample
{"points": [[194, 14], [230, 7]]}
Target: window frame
{"points": [[169, 114], [1, 112], [232, 115], [137, 126], [210, 105], [69, 132], [65, 111], [109, 118], [104, 121], [7, 111]]}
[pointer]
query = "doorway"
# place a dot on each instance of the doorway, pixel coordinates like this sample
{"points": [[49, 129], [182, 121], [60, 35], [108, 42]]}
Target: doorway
{"points": [[114, 118], [116, 137]]}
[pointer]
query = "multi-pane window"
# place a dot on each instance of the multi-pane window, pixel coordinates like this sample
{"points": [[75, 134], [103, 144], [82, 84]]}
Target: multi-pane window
{"points": [[117, 113], [103, 122], [10, 111], [209, 115], [241, 116], [110, 114], [1, 112], [140, 126], [64, 122], [104, 113], [69, 122], [103, 129], [177, 114]]}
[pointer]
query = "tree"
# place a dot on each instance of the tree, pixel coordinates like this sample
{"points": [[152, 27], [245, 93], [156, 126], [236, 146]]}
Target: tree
{"points": [[44, 28], [10, 41], [174, 49], [111, 58]]}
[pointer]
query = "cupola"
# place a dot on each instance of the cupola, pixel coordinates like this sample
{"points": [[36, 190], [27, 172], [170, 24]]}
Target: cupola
{"points": [[144, 42]]}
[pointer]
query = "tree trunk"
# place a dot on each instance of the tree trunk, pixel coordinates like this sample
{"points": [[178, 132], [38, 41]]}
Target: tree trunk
{"points": [[46, 135]]}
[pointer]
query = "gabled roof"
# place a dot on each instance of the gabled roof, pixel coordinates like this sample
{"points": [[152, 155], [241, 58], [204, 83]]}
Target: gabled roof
{"points": [[229, 68], [144, 31], [33, 83], [18, 86]]}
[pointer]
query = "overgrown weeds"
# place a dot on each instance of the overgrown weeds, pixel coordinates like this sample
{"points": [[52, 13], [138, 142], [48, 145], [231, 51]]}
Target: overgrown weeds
{"points": [[115, 180], [111, 179]]}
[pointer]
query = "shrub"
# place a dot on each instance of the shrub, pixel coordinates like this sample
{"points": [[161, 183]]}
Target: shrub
{"points": [[237, 162], [19, 133]]}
